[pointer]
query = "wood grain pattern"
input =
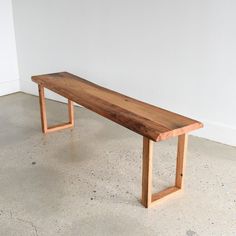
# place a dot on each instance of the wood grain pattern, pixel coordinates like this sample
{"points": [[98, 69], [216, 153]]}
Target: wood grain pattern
{"points": [[150, 121]]}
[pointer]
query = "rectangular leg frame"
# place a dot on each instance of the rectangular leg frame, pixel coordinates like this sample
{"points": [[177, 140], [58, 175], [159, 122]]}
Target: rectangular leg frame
{"points": [[45, 127], [149, 199]]}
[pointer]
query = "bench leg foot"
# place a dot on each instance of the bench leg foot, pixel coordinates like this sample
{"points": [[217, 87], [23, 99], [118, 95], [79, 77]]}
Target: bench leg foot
{"points": [[149, 199], [45, 128]]}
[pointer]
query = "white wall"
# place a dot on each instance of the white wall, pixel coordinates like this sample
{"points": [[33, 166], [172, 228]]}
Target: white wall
{"points": [[180, 55], [9, 79]]}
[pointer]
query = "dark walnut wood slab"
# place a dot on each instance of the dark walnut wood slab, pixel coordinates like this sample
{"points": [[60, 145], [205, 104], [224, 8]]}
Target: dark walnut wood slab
{"points": [[150, 121]]}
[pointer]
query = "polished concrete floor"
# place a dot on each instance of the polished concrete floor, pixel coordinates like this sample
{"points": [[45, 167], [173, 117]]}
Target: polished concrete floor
{"points": [[87, 181]]}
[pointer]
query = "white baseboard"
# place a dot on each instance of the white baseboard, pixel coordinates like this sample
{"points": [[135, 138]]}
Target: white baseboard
{"points": [[8, 87], [217, 132]]}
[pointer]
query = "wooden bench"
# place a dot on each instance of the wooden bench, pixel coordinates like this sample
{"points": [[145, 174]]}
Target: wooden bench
{"points": [[153, 123]]}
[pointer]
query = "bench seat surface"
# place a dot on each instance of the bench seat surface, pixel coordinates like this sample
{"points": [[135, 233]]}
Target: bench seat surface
{"points": [[147, 120]]}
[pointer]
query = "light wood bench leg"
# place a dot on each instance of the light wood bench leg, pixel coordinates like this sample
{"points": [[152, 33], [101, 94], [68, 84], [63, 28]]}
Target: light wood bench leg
{"points": [[149, 199], [180, 164], [45, 128], [147, 172]]}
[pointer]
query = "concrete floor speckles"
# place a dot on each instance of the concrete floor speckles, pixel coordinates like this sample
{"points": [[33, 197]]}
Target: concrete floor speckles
{"points": [[87, 181]]}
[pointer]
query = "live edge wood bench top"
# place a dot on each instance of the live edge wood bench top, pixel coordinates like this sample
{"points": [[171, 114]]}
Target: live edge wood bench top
{"points": [[152, 122], [147, 120]]}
